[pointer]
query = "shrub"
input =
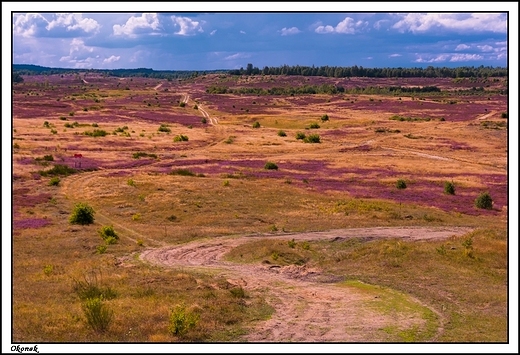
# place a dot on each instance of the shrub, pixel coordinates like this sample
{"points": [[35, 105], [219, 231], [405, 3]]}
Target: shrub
{"points": [[300, 135], [291, 243], [101, 249], [270, 166], [46, 124], [449, 188], [71, 113], [324, 118], [230, 140], [164, 128], [183, 172], [58, 169], [182, 320], [97, 314], [484, 201], [401, 184], [53, 131], [195, 107], [204, 120], [130, 182], [63, 118], [282, 133], [108, 234], [96, 133], [136, 217], [54, 181], [182, 104], [172, 218], [314, 125], [256, 124], [48, 270], [95, 125], [143, 154], [312, 138], [180, 138], [82, 214], [140, 242]]}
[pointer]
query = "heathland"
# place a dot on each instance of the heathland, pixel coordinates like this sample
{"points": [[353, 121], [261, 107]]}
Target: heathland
{"points": [[237, 208]]}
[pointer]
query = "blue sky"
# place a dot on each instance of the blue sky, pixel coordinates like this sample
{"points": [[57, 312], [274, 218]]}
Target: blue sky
{"points": [[74, 38]]}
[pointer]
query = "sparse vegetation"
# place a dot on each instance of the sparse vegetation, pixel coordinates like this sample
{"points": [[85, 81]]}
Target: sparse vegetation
{"points": [[143, 154], [164, 128], [256, 124], [282, 133], [312, 138], [182, 320], [98, 315], [449, 188], [180, 138], [55, 181]]}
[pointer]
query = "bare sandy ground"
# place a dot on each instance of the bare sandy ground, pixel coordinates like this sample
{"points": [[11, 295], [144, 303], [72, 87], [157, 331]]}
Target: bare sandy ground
{"points": [[309, 306]]}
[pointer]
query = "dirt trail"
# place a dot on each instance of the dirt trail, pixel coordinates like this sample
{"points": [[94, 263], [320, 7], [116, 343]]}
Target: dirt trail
{"points": [[158, 86], [309, 306], [211, 120]]}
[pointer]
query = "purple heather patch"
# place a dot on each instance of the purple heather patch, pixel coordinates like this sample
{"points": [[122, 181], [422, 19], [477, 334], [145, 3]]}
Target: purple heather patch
{"points": [[30, 223]]}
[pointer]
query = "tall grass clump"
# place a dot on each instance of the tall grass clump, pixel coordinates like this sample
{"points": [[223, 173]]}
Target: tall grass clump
{"points": [[82, 214], [97, 314], [484, 201]]}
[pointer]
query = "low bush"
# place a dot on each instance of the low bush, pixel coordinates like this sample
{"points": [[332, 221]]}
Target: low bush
{"points": [[55, 181], [400, 184], [256, 124], [180, 138], [108, 234], [143, 154], [58, 169], [484, 201], [282, 133], [82, 214], [182, 104], [312, 138], [300, 135], [182, 320], [183, 172], [164, 128], [449, 188], [270, 166], [96, 133], [324, 118], [314, 125]]}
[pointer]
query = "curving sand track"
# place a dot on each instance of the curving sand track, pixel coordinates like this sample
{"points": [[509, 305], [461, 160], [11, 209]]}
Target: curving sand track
{"points": [[309, 305]]}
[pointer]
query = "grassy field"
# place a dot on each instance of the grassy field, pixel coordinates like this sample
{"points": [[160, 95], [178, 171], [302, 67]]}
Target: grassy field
{"points": [[161, 176]]}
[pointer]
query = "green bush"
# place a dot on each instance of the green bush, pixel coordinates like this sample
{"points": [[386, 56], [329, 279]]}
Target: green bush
{"points": [[256, 124], [314, 125], [484, 201], [312, 138], [282, 133], [58, 169], [54, 181], [82, 214], [164, 128], [182, 320], [300, 135], [143, 154], [204, 120], [270, 166], [449, 188], [182, 104], [96, 133], [180, 138], [504, 115], [98, 315], [401, 184], [183, 172], [291, 243], [108, 234], [324, 118]]}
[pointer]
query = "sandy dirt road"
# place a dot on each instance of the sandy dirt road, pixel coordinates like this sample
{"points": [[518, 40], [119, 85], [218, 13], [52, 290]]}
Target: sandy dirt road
{"points": [[310, 306]]}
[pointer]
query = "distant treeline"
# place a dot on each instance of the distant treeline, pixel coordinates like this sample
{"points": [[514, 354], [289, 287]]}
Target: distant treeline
{"points": [[320, 89], [29, 69], [355, 71]]}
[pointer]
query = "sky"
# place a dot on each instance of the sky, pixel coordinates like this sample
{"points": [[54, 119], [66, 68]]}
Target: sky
{"points": [[187, 39]]}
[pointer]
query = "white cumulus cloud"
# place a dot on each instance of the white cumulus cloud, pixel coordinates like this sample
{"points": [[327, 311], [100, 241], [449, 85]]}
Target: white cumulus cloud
{"points": [[394, 55], [485, 48], [72, 22], [111, 59], [476, 22], [347, 26], [146, 23], [187, 26], [461, 47], [464, 57], [289, 31]]}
